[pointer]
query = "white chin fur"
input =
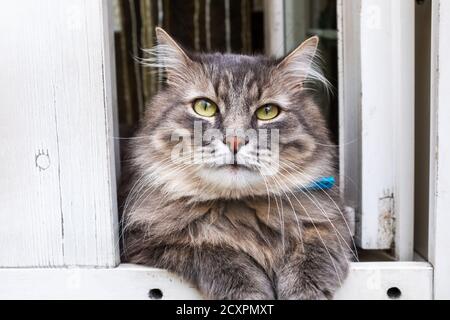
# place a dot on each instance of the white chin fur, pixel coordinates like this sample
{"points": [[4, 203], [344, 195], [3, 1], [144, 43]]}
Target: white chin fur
{"points": [[228, 178]]}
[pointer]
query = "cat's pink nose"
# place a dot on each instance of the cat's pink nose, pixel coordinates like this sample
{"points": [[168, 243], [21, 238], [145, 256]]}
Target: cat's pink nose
{"points": [[235, 144]]}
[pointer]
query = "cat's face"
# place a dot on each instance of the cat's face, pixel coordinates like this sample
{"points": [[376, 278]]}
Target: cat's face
{"points": [[233, 126]]}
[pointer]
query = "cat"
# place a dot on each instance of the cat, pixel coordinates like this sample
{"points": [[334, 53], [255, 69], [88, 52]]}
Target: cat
{"points": [[227, 224]]}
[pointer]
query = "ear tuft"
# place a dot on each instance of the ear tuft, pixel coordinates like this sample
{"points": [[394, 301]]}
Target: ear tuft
{"points": [[302, 66], [167, 54], [164, 39]]}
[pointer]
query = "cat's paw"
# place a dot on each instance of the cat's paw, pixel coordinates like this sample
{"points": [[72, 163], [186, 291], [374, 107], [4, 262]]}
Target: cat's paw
{"points": [[307, 286], [312, 276], [244, 294], [256, 296], [308, 291]]}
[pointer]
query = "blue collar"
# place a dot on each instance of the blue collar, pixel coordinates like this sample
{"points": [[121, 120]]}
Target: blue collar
{"points": [[324, 183]]}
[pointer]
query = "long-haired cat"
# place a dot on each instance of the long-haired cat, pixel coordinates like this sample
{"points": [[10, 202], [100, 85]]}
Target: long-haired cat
{"points": [[238, 218]]}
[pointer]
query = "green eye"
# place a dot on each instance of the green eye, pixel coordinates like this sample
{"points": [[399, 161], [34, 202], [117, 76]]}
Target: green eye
{"points": [[268, 112], [205, 108]]}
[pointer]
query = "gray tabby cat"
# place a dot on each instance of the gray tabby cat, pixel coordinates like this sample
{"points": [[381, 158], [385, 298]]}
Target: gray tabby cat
{"points": [[227, 227]]}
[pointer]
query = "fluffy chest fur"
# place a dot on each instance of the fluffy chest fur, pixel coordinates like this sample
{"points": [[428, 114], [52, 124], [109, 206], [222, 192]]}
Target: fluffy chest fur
{"points": [[265, 229]]}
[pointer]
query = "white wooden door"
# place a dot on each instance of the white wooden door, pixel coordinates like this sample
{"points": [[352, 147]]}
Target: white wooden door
{"points": [[57, 180]]}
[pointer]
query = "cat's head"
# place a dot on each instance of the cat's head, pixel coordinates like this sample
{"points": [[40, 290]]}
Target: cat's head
{"points": [[233, 126]]}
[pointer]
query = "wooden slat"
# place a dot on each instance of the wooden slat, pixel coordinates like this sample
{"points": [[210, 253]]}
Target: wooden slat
{"points": [[377, 121], [127, 282], [403, 109], [439, 235], [58, 189], [372, 280]]}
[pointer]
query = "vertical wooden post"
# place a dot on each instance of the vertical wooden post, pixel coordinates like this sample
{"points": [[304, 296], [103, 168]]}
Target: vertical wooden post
{"points": [[377, 120], [439, 235], [57, 97], [403, 107]]}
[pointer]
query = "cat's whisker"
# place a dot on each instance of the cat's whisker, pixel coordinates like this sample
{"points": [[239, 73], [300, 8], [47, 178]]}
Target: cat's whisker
{"points": [[131, 194], [150, 184], [268, 210], [268, 194], [281, 217], [130, 138], [130, 197], [336, 231], [337, 146], [322, 211], [354, 250], [320, 237], [318, 233], [294, 213]]}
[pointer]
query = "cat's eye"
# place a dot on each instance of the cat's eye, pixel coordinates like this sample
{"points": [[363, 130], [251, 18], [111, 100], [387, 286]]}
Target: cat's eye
{"points": [[205, 108], [268, 112]]}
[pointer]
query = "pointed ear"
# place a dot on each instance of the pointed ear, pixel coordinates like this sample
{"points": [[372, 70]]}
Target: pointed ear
{"points": [[172, 50], [304, 53], [169, 56], [300, 65]]}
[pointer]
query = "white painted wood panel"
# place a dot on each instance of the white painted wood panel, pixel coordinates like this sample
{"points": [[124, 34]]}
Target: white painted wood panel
{"points": [[403, 108], [377, 121], [439, 234], [372, 280], [58, 184], [128, 282]]}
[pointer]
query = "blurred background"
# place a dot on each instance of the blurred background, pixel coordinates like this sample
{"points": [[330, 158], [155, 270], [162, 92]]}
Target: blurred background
{"points": [[238, 26]]}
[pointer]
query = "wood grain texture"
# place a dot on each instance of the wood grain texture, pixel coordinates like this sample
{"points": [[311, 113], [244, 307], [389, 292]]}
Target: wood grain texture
{"points": [[58, 180], [128, 282]]}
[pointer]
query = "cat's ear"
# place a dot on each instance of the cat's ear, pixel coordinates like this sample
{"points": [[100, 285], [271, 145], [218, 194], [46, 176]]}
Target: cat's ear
{"points": [[301, 64], [171, 51], [168, 55]]}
